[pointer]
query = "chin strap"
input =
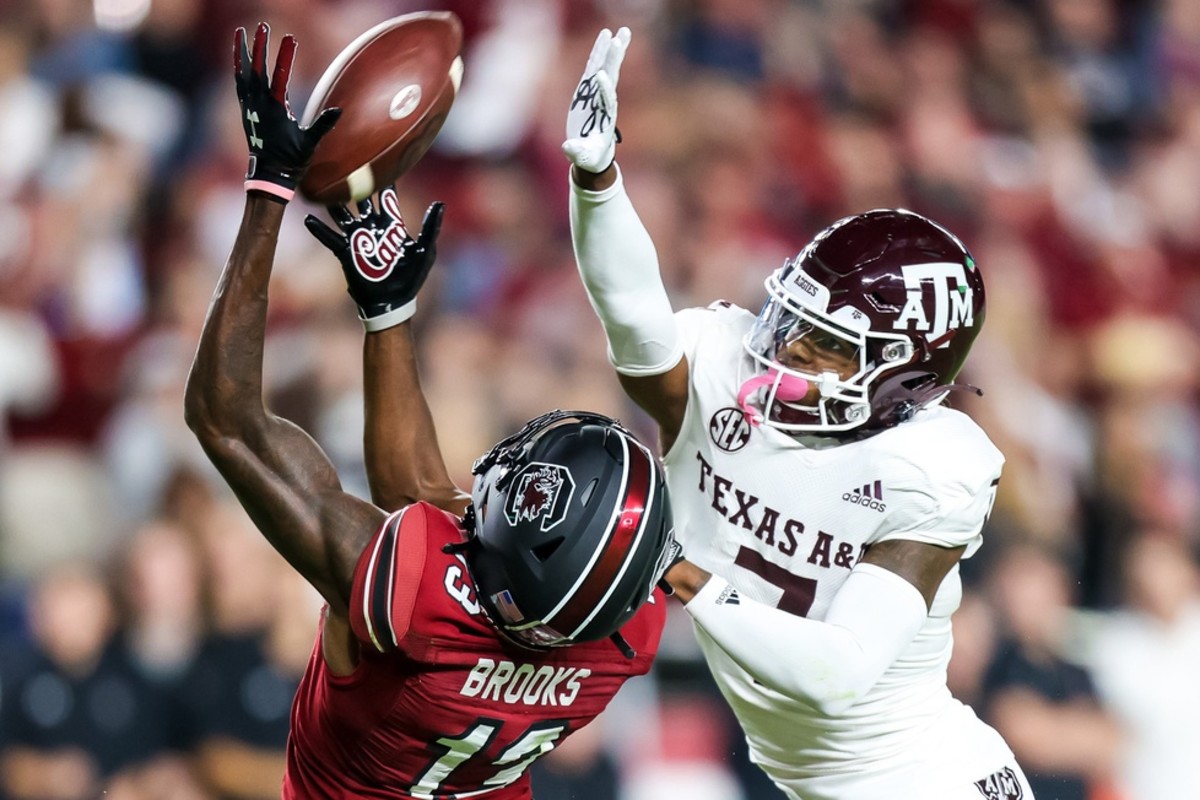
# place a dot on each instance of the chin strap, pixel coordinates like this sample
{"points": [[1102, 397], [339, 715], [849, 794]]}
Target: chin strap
{"points": [[901, 396], [622, 645], [456, 548]]}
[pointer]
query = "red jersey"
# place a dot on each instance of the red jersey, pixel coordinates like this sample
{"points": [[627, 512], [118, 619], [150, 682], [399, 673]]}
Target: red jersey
{"points": [[440, 705]]}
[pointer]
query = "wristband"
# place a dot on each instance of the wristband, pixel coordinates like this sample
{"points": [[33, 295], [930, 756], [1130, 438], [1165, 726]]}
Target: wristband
{"points": [[389, 319]]}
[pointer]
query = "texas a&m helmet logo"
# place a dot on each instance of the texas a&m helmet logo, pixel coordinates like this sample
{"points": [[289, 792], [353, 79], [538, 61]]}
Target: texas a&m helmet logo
{"points": [[540, 491], [953, 301]]}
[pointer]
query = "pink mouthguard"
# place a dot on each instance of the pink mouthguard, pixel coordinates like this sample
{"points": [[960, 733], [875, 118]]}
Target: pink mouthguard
{"points": [[791, 389]]}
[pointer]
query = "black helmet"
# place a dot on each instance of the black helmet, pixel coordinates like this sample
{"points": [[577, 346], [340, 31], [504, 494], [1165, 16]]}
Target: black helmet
{"points": [[568, 529]]}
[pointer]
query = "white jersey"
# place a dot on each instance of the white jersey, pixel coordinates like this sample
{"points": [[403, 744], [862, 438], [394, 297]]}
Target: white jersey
{"points": [[784, 521]]}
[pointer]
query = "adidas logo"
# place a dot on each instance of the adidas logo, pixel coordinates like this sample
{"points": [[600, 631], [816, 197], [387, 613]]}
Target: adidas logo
{"points": [[869, 495], [728, 596]]}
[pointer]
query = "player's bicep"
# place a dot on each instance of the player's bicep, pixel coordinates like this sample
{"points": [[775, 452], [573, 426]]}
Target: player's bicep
{"points": [[292, 493], [664, 397], [923, 565]]}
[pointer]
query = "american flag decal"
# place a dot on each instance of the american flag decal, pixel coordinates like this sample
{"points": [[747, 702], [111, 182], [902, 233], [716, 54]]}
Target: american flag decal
{"points": [[507, 608]]}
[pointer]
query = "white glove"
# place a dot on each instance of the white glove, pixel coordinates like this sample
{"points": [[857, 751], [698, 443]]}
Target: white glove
{"points": [[592, 119]]}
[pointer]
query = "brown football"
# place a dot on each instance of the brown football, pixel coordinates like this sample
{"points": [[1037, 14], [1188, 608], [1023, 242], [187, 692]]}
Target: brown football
{"points": [[395, 85]]}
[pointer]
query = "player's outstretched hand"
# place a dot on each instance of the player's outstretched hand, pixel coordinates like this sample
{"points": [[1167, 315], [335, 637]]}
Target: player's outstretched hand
{"points": [[279, 148], [592, 136], [383, 265]]}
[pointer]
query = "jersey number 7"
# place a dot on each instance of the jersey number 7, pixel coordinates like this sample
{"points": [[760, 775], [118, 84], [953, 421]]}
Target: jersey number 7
{"points": [[798, 592]]}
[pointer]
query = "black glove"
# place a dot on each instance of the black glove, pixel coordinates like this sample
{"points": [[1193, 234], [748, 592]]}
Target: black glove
{"points": [[672, 554], [383, 265], [279, 148]]}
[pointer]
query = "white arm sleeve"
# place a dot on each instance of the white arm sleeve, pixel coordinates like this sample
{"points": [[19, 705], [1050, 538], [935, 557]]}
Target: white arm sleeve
{"points": [[620, 273], [827, 664]]}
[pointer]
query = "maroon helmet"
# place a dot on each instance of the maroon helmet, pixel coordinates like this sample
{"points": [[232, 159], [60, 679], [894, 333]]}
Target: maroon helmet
{"points": [[894, 295], [569, 529]]}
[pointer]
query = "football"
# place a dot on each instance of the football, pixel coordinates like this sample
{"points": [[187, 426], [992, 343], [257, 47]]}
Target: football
{"points": [[395, 85]]}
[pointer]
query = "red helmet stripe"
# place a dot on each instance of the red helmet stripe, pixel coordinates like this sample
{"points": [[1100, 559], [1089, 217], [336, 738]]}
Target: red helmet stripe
{"points": [[617, 543]]}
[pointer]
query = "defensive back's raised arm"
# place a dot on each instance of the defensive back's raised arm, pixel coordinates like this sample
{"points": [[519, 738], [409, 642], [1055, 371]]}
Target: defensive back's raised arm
{"points": [[616, 257]]}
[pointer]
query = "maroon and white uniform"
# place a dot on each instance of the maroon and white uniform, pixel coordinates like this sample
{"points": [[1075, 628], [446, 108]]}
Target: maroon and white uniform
{"points": [[785, 520], [440, 705]]}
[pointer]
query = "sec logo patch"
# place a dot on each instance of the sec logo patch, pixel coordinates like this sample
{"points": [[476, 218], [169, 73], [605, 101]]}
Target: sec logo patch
{"points": [[729, 429]]}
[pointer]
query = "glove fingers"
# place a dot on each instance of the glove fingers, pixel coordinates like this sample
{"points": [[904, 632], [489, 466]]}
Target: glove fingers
{"points": [[262, 40], [322, 125], [599, 52], [324, 234], [341, 215], [364, 207], [616, 54], [241, 58], [608, 92], [389, 207], [432, 225], [283, 68]]}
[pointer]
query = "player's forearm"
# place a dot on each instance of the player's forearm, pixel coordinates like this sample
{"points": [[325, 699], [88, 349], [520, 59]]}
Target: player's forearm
{"points": [[224, 389], [403, 458], [279, 474], [828, 664], [619, 266]]}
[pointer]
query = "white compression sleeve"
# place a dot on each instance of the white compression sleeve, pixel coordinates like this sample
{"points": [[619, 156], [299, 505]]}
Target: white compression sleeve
{"points": [[620, 273], [828, 664]]}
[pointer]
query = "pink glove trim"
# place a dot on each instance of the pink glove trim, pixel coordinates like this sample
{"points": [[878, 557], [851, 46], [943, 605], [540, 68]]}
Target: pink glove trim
{"points": [[270, 188]]}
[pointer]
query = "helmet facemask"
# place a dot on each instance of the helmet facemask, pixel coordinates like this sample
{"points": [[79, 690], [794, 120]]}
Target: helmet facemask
{"points": [[796, 323]]}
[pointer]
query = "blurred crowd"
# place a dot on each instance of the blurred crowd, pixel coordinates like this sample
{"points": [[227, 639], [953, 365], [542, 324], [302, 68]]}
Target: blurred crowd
{"points": [[150, 640]]}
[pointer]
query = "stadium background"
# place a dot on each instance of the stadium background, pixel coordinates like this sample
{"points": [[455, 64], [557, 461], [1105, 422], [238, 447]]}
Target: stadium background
{"points": [[142, 616]]}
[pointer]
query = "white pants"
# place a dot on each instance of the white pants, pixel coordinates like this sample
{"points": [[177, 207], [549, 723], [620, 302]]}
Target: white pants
{"points": [[959, 759], [1006, 783]]}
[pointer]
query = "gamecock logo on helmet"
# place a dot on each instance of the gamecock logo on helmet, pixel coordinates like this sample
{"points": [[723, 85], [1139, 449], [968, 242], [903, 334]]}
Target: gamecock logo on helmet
{"points": [[540, 491]]}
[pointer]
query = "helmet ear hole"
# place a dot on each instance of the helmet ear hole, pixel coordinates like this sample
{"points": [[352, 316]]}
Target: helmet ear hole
{"points": [[543, 551], [586, 494]]}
